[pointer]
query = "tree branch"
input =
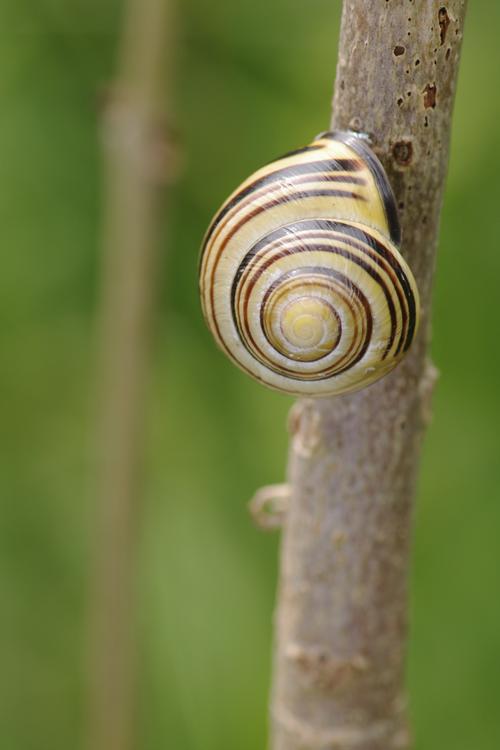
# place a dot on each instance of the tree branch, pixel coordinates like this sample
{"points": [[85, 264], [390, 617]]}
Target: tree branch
{"points": [[342, 612], [136, 162]]}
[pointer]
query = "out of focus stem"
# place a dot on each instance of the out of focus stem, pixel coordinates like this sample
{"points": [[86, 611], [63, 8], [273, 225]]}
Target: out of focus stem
{"points": [[135, 164]]}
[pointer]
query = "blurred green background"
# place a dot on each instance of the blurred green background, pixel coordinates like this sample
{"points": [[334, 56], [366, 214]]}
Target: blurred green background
{"points": [[252, 80]]}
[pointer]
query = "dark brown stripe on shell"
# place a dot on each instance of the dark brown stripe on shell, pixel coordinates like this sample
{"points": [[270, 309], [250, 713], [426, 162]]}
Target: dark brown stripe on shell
{"points": [[366, 239], [315, 168], [346, 285], [263, 266], [363, 236], [298, 236], [361, 147], [330, 371], [389, 270], [290, 198]]}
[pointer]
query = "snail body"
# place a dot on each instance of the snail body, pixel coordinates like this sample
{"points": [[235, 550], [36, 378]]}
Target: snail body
{"points": [[301, 279]]}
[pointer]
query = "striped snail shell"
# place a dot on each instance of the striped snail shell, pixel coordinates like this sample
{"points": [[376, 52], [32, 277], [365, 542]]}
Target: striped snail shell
{"points": [[301, 280]]}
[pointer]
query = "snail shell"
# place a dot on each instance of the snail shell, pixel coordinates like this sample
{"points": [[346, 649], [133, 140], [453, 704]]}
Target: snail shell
{"points": [[301, 280]]}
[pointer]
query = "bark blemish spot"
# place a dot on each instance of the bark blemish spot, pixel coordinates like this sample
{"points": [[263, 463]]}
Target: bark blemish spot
{"points": [[400, 101], [448, 53], [444, 22], [402, 152], [430, 93], [399, 50], [417, 62]]}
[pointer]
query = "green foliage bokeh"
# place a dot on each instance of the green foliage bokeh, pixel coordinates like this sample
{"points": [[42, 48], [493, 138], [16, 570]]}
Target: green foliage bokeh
{"points": [[252, 80]]}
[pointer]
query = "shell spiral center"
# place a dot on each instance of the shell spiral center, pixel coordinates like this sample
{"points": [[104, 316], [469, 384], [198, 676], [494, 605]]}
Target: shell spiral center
{"points": [[303, 328]]}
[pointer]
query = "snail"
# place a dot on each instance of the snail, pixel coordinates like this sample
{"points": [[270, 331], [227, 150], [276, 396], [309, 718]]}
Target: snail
{"points": [[301, 280]]}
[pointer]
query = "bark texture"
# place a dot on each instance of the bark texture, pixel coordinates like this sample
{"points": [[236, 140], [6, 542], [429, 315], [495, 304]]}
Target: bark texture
{"points": [[341, 621]]}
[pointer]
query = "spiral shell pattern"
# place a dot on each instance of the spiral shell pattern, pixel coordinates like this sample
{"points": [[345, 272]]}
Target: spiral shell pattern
{"points": [[301, 280]]}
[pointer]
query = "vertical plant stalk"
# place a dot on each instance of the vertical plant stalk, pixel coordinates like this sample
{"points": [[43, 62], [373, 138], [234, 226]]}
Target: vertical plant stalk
{"points": [[135, 163], [342, 613]]}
